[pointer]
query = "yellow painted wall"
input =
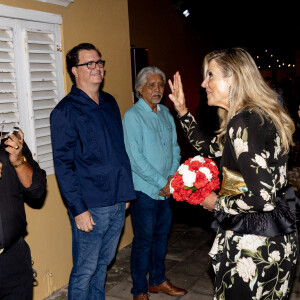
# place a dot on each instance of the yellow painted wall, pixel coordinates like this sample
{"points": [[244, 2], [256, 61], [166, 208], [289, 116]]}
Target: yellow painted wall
{"points": [[105, 24]]}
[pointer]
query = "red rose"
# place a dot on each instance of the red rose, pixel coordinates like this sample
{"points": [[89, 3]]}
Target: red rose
{"points": [[202, 186]]}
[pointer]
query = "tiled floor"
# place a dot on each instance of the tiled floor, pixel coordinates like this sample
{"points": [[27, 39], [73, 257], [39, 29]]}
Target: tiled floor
{"points": [[187, 264]]}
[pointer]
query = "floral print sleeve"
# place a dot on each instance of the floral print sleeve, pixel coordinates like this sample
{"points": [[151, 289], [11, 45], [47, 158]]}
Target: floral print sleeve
{"points": [[198, 139], [255, 147]]}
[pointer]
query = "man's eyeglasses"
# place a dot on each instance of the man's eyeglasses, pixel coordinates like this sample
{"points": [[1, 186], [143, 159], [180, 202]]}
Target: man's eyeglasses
{"points": [[92, 64]]}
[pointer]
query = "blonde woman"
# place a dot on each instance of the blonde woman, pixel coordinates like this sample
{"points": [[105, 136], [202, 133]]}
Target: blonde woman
{"points": [[255, 250]]}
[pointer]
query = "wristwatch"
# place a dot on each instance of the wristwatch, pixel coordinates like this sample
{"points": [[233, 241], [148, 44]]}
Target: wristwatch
{"points": [[21, 163]]}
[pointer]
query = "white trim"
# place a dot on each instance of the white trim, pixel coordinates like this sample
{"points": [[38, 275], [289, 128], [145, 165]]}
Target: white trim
{"points": [[58, 2], [28, 14]]}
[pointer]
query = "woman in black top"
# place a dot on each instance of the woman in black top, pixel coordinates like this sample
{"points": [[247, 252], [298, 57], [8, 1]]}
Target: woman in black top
{"points": [[255, 250], [21, 179]]}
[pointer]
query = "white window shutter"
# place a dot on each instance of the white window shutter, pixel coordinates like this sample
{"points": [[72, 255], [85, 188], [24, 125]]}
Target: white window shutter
{"points": [[31, 81], [41, 47], [9, 112], [58, 2]]}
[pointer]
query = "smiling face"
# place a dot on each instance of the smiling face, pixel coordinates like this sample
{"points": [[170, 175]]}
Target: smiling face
{"points": [[88, 77], [153, 90], [216, 86]]}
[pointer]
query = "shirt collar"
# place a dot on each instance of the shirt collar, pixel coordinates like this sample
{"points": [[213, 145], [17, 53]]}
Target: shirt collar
{"points": [[145, 106]]}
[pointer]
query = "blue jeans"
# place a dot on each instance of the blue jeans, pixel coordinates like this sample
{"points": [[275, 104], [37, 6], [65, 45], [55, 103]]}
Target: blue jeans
{"points": [[151, 220], [94, 251]]}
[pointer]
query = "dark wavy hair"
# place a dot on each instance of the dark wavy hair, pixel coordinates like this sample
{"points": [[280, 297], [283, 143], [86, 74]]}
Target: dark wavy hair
{"points": [[72, 57]]}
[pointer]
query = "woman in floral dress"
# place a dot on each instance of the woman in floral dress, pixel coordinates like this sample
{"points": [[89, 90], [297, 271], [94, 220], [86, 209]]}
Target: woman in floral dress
{"points": [[256, 246]]}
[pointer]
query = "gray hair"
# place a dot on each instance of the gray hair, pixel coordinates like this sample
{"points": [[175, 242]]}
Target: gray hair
{"points": [[142, 77]]}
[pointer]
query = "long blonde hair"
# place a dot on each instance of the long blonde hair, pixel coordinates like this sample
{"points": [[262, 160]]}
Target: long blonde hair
{"points": [[249, 91]]}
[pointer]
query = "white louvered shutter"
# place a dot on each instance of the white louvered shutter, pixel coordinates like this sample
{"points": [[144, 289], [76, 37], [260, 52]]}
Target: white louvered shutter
{"points": [[9, 116], [44, 92], [31, 82]]}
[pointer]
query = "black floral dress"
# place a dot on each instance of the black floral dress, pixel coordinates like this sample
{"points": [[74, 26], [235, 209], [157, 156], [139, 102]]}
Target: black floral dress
{"points": [[259, 263]]}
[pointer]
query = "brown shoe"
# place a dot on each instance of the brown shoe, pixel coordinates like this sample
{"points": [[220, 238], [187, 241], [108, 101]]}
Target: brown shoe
{"points": [[141, 297], [167, 288]]}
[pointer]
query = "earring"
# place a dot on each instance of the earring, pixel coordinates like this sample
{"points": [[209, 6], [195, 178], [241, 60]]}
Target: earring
{"points": [[229, 96]]}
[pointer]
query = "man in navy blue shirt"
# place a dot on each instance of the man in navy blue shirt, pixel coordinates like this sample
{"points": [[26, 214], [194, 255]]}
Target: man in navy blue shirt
{"points": [[92, 169]]}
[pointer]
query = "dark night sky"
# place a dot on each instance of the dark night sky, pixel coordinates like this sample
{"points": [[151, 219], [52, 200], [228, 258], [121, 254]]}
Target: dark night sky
{"points": [[255, 25]]}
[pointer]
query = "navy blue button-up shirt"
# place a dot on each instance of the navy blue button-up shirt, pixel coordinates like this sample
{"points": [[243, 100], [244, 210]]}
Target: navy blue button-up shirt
{"points": [[90, 160]]}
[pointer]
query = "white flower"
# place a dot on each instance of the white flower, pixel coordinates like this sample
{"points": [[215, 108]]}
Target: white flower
{"points": [[282, 171], [240, 146], [214, 249], [288, 250], [273, 191], [182, 169], [198, 158], [284, 287], [228, 234], [265, 195], [218, 153], [171, 188], [242, 204], [206, 172], [282, 180], [277, 148], [231, 211], [259, 292], [246, 268], [266, 154], [251, 242], [274, 256], [277, 151], [226, 209], [260, 161], [230, 132], [268, 207], [189, 178]]}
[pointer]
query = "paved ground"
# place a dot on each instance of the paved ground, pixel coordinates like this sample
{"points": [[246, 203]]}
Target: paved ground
{"points": [[187, 262]]}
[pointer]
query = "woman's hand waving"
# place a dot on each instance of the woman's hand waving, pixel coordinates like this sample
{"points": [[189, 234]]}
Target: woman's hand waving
{"points": [[177, 96]]}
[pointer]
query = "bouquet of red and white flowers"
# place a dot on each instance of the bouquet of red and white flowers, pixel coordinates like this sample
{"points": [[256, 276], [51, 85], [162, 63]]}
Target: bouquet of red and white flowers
{"points": [[195, 179]]}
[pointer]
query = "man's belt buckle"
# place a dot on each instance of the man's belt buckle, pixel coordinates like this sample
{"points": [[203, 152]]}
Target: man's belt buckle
{"points": [[1, 250]]}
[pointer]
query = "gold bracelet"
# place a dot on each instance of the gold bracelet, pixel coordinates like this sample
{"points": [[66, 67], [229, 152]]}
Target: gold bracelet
{"points": [[21, 163]]}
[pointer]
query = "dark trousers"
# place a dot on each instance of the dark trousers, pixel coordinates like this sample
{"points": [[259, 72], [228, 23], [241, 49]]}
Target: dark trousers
{"points": [[151, 220], [16, 277]]}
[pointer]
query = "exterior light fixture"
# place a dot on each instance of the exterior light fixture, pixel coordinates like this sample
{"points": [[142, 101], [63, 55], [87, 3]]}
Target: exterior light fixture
{"points": [[186, 13]]}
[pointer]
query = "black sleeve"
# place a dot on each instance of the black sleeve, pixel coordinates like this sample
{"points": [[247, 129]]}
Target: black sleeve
{"points": [[206, 145], [39, 181]]}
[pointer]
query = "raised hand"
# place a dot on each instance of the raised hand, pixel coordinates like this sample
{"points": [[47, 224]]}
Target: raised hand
{"points": [[177, 96], [14, 147]]}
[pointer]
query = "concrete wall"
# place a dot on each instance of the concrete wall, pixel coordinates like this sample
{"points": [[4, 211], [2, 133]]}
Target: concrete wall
{"points": [[105, 24]]}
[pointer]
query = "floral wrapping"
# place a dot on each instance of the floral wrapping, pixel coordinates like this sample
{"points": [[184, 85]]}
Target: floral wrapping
{"points": [[257, 267]]}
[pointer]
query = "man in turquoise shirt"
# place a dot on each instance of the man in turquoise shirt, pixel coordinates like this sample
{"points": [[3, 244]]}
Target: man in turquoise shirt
{"points": [[151, 144]]}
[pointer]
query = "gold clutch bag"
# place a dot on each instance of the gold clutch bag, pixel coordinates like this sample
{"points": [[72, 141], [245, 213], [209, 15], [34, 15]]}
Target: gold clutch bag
{"points": [[232, 184]]}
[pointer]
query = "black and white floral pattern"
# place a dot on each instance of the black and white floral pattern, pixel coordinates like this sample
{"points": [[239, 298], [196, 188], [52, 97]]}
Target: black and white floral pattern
{"points": [[249, 266]]}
